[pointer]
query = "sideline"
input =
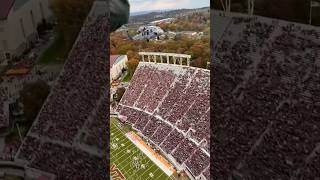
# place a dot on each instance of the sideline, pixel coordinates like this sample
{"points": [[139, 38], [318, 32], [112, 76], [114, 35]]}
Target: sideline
{"points": [[164, 165]]}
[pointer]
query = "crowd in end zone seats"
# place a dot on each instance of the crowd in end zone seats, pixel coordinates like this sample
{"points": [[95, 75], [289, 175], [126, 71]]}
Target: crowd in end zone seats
{"points": [[266, 100], [169, 105], [68, 137], [4, 116]]}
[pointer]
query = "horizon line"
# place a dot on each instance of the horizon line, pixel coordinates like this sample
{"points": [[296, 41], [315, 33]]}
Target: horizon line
{"points": [[167, 9]]}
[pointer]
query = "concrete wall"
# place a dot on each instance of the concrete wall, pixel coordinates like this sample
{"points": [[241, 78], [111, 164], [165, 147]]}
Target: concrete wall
{"points": [[21, 27]]}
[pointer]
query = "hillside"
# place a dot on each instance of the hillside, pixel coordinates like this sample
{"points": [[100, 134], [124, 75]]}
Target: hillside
{"points": [[195, 20], [156, 15]]}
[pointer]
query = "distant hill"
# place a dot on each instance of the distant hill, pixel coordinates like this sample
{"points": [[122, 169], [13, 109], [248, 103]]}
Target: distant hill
{"points": [[148, 16], [147, 12]]}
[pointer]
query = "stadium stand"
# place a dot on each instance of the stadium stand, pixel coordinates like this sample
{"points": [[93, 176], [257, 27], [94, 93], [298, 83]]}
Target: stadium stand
{"points": [[219, 26], [169, 105], [12, 170], [68, 138], [266, 99], [4, 109]]}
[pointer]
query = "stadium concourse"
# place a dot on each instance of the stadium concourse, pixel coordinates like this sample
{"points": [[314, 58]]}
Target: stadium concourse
{"points": [[168, 105], [266, 98], [68, 137]]}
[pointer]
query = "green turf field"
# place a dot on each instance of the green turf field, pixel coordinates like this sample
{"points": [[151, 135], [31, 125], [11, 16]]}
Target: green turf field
{"points": [[127, 158]]}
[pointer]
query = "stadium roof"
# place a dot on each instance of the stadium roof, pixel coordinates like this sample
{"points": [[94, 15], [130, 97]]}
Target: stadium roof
{"points": [[5, 7]]}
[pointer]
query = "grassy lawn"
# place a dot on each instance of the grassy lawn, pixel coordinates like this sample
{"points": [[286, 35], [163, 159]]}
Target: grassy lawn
{"points": [[132, 162], [56, 52], [127, 78]]}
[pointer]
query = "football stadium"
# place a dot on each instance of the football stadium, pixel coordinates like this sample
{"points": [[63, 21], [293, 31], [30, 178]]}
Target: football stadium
{"points": [[161, 126]]}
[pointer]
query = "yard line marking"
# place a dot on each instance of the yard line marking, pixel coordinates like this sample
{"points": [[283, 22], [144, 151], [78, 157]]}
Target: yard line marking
{"points": [[117, 153], [124, 160]]}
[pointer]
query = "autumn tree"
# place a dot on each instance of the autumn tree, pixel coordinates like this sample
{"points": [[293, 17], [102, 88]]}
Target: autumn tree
{"points": [[199, 49], [119, 93], [70, 15], [199, 62], [133, 55], [132, 66], [33, 96]]}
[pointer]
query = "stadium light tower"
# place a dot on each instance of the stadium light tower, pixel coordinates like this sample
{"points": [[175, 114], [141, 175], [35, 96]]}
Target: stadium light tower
{"points": [[250, 7], [313, 3]]}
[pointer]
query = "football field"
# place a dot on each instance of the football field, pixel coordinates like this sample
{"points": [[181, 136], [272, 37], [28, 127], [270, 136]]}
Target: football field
{"points": [[129, 162]]}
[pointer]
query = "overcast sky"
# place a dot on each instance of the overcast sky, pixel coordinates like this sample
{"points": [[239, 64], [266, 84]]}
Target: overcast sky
{"points": [[147, 5]]}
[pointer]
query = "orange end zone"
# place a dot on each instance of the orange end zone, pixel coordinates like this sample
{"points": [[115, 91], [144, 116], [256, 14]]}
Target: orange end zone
{"points": [[155, 154]]}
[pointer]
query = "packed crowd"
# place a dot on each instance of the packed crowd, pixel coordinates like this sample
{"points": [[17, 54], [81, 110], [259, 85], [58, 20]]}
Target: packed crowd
{"points": [[75, 105], [206, 173], [198, 162], [4, 109], [266, 93], [169, 104], [96, 127], [74, 164]]}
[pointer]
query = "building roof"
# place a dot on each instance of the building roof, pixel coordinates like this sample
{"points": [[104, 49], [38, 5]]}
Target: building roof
{"points": [[5, 7], [114, 59]]}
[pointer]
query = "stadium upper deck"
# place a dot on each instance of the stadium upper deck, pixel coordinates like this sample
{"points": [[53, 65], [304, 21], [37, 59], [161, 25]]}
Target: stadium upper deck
{"points": [[266, 92], [68, 137], [169, 105]]}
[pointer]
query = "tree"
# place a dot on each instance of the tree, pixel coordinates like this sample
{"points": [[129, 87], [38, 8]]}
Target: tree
{"points": [[132, 66], [120, 92], [70, 15], [33, 96], [199, 62]]}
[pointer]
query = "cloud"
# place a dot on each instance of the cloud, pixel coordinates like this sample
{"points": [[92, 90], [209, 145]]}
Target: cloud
{"points": [[147, 5]]}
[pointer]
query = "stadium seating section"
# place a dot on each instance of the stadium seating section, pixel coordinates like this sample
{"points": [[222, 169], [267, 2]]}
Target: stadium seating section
{"points": [[169, 105], [266, 99], [68, 137], [4, 109]]}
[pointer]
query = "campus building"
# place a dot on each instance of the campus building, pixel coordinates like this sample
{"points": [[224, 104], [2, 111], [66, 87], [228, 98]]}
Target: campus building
{"points": [[117, 64], [18, 25]]}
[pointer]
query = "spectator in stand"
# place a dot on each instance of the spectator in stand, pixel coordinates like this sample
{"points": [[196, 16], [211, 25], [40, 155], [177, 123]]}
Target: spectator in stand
{"points": [[169, 105], [266, 89]]}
